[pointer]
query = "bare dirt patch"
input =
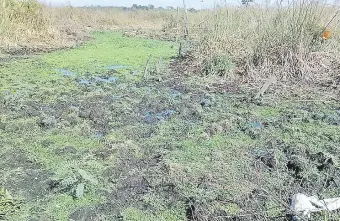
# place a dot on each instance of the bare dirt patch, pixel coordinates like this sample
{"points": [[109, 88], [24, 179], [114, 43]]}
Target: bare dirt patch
{"points": [[24, 177]]}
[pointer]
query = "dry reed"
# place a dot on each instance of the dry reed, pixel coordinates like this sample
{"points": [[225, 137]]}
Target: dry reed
{"points": [[285, 40], [30, 25]]}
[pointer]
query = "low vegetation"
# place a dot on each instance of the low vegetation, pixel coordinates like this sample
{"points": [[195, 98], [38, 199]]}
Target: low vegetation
{"points": [[133, 122]]}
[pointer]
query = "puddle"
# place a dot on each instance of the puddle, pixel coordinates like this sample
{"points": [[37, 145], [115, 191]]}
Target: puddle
{"points": [[99, 135], [84, 82], [165, 114], [66, 72], [256, 125], [134, 72], [105, 79], [175, 93], [160, 116], [98, 79], [206, 102], [148, 90], [115, 67]]}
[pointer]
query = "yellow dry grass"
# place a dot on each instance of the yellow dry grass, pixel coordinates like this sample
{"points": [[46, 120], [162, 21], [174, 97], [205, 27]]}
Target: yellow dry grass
{"points": [[30, 25], [262, 40]]}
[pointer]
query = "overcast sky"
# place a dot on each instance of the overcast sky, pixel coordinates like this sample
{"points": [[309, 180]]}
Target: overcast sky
{"points": [[190, 3]]}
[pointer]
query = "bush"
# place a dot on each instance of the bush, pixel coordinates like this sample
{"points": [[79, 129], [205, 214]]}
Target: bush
{"points": [[284, 40], [20, 21], [218, 65]]}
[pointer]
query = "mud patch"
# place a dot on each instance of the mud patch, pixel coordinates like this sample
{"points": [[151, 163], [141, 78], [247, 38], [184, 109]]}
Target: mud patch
{"points": [[22, 176], [94, 214], [104, 79], [99, 135], [160, 116], [267, 157], [132, 179], [84, 82], [92, 80], [98, 80], [85, 214]]}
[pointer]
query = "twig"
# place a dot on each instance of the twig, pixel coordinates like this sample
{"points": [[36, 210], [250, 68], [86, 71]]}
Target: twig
{"points": [[177, 25], [180, 50], [264, 88], [336, 13]]}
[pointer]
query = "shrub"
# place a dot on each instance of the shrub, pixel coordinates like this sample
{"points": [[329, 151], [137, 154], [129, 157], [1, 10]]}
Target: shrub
{"points": [[262, 40]]}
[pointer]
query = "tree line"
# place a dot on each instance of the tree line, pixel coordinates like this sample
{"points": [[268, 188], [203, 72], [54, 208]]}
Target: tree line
{"points": [[152, 7]]}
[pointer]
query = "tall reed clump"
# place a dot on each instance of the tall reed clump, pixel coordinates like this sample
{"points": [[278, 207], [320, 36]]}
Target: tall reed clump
{"points": [[283, 39], [21, 22]]}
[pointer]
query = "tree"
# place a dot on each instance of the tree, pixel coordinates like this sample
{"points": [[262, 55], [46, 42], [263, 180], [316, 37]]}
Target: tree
{"points": [[246, 2], [151, 7], [170, 8]]}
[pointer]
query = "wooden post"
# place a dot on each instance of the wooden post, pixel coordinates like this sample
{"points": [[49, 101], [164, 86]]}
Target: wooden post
{"points": [[177, 25], [186, 32], [146, 70]]}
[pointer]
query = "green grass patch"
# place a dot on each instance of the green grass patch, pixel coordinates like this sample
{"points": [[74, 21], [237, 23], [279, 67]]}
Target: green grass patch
{"points": [[111, 49]]}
